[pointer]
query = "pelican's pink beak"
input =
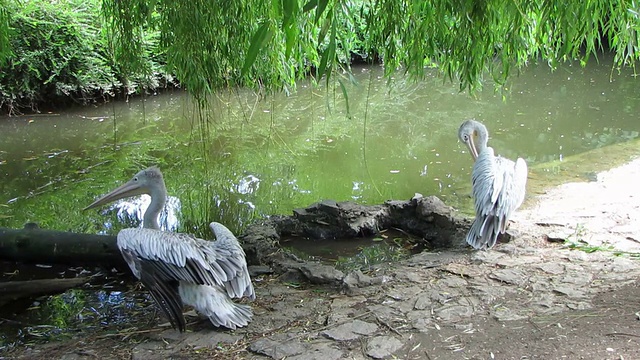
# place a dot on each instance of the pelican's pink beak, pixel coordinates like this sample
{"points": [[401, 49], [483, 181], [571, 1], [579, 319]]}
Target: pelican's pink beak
{"points": [[472, 146]]}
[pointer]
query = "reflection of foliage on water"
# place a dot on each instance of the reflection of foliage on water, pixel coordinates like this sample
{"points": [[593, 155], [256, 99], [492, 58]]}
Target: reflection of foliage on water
{"points": [[79, 311], [608, 136], [372, 255], [66, 308], [258, 156]]}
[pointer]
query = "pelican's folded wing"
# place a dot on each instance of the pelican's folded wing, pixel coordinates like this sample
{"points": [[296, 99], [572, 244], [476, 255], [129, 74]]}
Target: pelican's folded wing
{"points": [[231, 258]]}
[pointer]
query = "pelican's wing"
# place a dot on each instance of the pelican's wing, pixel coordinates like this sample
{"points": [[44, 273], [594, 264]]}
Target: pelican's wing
{"points": [[231, 258], [214, 303], [486, 182], [520, 181], [498, 189], [174, 256], [164, 292]]}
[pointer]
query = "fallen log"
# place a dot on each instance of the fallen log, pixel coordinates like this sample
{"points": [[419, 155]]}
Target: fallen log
{"points": [[13, 290], [33, 245]]}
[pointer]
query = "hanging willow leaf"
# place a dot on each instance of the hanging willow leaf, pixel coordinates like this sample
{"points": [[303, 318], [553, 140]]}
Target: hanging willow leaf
{"points": [[346, 97], [291, 34], [328, 54], [324, 29], [322, 4], [259, 40], [310, 6], [290, 11]]}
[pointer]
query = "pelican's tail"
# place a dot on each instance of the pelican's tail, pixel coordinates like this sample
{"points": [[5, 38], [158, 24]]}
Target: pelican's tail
{"points": [[214, 303], [483, 233]]}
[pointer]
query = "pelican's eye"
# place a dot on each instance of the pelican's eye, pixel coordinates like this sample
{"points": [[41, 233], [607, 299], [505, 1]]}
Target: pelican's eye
{"points": [[465, 138], [135, 179]]}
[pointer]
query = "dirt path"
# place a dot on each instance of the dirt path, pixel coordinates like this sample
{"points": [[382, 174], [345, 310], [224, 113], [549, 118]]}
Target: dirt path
{"points": [[527, 299]]}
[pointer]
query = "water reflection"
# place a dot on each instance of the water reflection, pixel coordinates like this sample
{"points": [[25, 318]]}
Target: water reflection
{"points": [[254, 158], [130, 212]]}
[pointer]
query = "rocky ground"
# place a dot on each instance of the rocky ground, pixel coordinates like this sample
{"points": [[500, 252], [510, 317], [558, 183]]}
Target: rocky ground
{"points": [[531, 298]]}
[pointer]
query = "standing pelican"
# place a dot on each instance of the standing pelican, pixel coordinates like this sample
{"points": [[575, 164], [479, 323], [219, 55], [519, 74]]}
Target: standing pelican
{"points": [[498, 186], [180, 268]]}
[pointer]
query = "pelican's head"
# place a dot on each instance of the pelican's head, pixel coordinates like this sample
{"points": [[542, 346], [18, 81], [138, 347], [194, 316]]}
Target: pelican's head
{"points": [[472, 133], [148, 181]]}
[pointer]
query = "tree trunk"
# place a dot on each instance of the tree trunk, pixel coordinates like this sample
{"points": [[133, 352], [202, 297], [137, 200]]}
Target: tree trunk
{"points": [[39, 246]]}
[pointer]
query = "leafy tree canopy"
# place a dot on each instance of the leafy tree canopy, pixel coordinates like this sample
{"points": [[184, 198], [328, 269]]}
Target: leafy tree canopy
{"points": [[214, 43]]}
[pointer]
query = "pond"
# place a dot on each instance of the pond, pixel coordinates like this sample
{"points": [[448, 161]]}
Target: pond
{"points": [[255, 155]]}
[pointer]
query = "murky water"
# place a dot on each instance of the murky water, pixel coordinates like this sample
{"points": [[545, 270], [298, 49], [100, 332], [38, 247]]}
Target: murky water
{"points": [[268, 155]]}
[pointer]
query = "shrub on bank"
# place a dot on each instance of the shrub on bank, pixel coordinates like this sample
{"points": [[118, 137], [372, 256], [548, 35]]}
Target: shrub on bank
{"points": [[62, 53]]}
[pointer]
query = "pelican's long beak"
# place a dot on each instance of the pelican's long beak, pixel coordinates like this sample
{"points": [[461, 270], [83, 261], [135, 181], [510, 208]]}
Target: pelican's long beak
{"points": [[472, 148], [128, 189]]}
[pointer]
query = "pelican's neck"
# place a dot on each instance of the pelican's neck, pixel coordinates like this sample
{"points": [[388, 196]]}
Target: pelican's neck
{"points": [[483, 139], [158, 199]]}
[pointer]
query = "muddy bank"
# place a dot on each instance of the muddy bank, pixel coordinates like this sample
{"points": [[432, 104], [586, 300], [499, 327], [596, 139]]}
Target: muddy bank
{"points": [[530, 298]]}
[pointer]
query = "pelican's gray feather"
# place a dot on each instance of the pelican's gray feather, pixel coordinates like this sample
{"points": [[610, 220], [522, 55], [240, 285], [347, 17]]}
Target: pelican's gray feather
{"points": [[232, 260], [498, 187]]}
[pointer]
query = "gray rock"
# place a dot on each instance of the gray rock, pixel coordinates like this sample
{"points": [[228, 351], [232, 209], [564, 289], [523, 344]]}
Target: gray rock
{"points": [[411, 276], [509, 276], [506, 314], [403, 293], [320, 273], [382, 346], [569, 291], [579, 306], [423, 302], [350, 331], [454, 312], [453, 281], [342, 309], [385, 312], [323, 351], [420, 320], [277, 349], [149, 350], [356, 279], [578, 276], [489, 257], [210, 339], [552, 268], [255, 270]]}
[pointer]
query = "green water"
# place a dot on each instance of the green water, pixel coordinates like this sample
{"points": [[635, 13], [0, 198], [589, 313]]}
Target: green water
{"points": [[268, 155]]}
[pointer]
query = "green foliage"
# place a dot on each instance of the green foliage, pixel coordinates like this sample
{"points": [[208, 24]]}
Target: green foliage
{"points": [[576, 241], [5, 50], [66, 48], [248, 42], [257, 43], [62, 50]]}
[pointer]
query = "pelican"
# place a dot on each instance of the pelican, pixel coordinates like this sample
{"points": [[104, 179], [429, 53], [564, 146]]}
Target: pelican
{"points": [[180, 268], [498, 186]]}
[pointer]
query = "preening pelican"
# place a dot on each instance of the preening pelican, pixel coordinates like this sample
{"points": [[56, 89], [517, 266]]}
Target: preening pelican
{"points": [[180, 268], [498, 186]]}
